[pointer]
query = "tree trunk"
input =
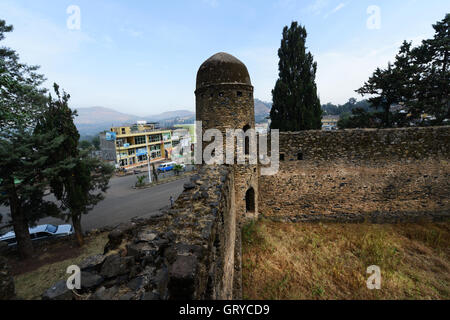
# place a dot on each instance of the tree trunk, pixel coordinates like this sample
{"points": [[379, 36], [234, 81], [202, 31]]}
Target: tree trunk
{"points": [[76, 221], [155, 174], [20, 224]]}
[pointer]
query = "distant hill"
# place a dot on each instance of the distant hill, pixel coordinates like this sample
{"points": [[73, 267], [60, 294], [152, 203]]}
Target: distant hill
{"points": [[91, 121], [262, 110]]}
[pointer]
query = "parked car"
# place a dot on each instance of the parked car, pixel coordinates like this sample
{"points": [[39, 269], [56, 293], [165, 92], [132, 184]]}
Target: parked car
{"points": [[42, 232], [166, 166]]}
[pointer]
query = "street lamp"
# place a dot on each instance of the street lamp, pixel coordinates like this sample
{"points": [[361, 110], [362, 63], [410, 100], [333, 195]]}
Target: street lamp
{"points": [[148, 159]]}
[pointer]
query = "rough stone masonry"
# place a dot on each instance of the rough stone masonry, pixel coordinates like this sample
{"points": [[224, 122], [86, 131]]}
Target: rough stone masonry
{"points": [[193, 250]]}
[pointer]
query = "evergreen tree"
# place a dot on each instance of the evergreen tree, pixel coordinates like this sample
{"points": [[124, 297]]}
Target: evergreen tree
{"points": [[23, 154], [432, 86], [384, 88], [76, 179], [296, 105]]}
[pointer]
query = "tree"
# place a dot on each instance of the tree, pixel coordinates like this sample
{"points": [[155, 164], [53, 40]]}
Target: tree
{"points": [[23, 182], [140, 181], [23, 153], [418, 78], [85, 145], [78, 180], [96, 142], [296, 105], [177, 169], [384, 87], [433, 77]]}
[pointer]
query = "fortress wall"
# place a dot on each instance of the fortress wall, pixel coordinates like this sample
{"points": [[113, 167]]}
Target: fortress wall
{"points": [[187, 252], [367, 144], [355, 175]]}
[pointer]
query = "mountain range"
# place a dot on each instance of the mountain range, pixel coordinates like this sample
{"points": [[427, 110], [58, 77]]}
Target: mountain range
{"points": [[90, 121]]}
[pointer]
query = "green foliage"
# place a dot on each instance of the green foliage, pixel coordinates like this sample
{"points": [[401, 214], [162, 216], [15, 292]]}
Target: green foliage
{"points": [[339, 110], [21, 97], [296, 105], [177, 168], [418, 79], [85, 145], [24, 152], [140, 181], [77, 180], [96, 142]]}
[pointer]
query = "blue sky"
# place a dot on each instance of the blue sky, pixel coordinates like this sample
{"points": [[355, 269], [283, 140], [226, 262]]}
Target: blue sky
{"points": [[142, 57]]}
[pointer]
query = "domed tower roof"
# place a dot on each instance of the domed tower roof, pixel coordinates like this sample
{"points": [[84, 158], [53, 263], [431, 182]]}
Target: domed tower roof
{"points": [[222, 68]]}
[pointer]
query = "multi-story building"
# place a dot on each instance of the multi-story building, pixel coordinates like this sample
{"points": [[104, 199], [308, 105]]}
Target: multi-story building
{"points": [[136, 144]]}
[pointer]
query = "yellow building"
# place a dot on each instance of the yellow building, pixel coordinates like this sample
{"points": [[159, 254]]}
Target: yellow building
{"points": [[134, 144]]}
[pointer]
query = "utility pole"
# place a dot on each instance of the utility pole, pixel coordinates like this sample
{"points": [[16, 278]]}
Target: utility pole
{"points": [[147, 138]]}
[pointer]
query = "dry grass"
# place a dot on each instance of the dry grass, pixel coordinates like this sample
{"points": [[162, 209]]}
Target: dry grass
{"points": [[31, 285], [329, 261]]}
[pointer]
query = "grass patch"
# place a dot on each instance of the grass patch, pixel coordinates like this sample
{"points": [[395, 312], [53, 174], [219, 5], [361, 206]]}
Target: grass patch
{"points": [[31, 285], [329, 261]]}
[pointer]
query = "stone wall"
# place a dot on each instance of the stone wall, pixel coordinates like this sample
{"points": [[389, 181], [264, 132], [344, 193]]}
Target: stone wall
{"points": [[366, 144], [187, 252], [356, 175]]}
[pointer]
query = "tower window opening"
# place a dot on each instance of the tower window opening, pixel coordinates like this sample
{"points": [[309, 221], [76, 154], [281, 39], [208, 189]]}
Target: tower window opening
{"points": [[300, 155], [281, 156], [247, 140], [239, 93], [250, 200]]}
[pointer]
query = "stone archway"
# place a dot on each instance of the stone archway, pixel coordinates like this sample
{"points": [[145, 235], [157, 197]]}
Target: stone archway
{"points": [[250, 200]]}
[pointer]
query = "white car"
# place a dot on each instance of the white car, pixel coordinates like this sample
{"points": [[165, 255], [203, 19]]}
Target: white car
{"points": [[46, 231]]}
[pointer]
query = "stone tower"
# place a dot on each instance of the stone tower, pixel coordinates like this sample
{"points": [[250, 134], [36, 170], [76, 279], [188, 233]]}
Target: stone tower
{"points": [[224, 100]]}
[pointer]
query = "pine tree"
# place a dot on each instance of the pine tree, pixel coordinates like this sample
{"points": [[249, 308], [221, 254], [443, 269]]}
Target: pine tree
{"points": [[76, 179], [296, 105], [434, 78], [385, 87], [23, 154]]}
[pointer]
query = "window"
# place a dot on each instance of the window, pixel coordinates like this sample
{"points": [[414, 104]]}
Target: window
{"points": [[300, 155], [247, 140], [239, 93], [167, 145], [139, 140], [155, 138], [130, 152], [156, 154], [123, 130], [119, 143], [51, 228], [281, 156], [142, 158], [155, 147]]}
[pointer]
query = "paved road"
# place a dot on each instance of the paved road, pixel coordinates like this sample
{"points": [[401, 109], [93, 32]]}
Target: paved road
{"points": [[123, 203]]}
